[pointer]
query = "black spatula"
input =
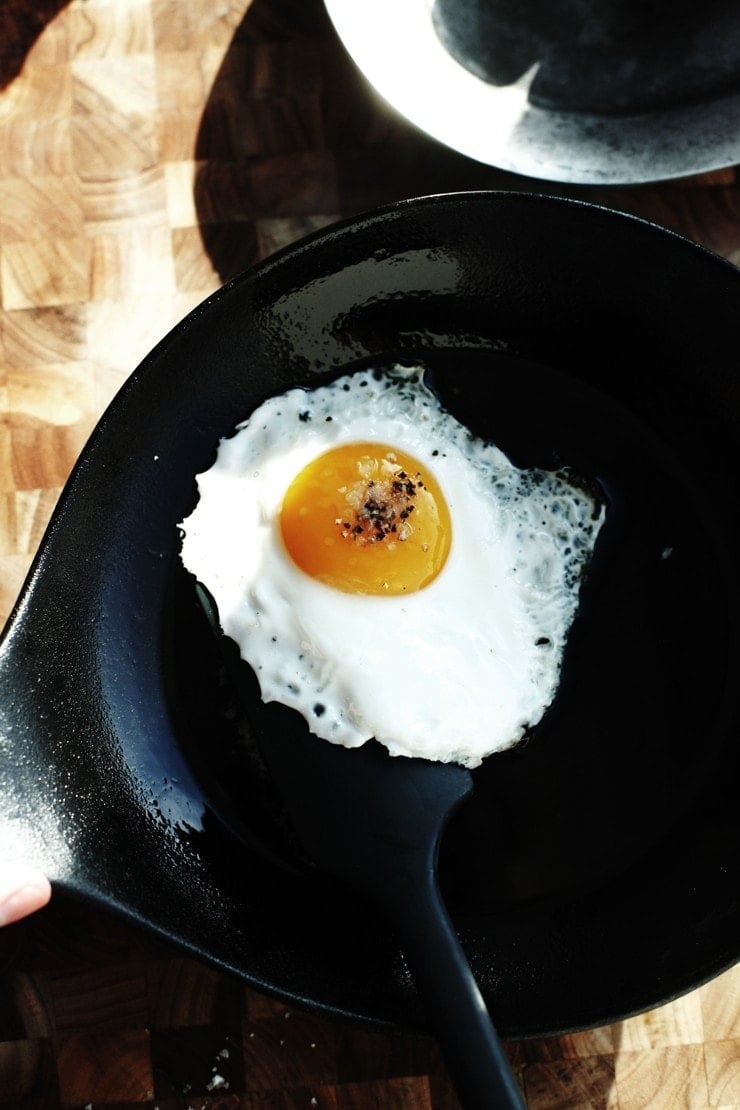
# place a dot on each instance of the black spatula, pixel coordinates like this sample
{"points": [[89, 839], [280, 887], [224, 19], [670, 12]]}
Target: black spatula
{"points": [[375, 821]]}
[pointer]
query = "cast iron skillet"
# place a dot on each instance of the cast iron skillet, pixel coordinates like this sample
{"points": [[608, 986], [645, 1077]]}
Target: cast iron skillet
{"points": [[595, 871]]}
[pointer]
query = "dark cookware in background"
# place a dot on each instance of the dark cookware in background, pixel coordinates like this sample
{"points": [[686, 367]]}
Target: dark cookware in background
{"points": [[595, 871], [613, 56], [613, 91]]}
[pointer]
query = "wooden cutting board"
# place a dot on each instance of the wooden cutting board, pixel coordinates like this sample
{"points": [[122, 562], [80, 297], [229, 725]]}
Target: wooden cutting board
{"points": [[150, 149]]}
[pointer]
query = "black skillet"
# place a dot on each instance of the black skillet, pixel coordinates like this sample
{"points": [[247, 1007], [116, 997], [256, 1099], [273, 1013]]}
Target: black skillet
{"points": [[594, 872]]}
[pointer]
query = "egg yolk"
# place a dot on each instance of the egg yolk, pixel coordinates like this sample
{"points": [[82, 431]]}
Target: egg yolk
{"points": [[365, 518]]}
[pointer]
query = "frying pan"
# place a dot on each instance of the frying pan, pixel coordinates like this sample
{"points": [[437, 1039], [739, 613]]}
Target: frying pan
{"points": [[594, 872]]}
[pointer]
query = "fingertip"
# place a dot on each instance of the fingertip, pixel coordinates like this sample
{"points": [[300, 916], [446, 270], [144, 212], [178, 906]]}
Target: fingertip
{"points": [[23, 890]]}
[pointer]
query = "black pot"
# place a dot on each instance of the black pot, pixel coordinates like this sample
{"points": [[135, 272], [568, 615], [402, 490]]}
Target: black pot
{"points": [[600, 56]]}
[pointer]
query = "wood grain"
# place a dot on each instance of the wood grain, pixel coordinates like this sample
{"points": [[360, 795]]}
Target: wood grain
{"points": [[149, 150]]}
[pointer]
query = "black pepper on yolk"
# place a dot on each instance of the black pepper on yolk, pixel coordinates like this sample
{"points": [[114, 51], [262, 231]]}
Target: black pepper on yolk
{"points": [[366, 518]]}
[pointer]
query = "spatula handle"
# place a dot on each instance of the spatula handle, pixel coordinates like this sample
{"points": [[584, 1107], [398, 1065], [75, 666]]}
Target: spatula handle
{"points": [[473, 1052]]}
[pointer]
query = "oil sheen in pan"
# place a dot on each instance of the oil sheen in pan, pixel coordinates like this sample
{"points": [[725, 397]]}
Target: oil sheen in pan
{"points": [[626, 744]]}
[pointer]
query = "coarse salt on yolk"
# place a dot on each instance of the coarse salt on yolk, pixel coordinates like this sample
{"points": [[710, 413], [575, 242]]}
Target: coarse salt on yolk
{"points": [[366, 518]]}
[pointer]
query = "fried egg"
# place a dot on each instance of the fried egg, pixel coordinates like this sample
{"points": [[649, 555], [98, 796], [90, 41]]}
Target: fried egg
{"points": [[387, 574]]}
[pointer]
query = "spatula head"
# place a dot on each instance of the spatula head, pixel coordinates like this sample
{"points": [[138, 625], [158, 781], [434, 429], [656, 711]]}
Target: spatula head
{"points": [[360, 813], [353, 808]]}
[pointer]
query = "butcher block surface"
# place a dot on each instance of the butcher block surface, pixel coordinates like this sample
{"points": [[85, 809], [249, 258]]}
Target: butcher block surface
{"points": [[150, 150]]}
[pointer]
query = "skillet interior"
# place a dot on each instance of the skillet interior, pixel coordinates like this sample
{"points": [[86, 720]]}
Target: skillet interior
{"points": [[595, 872]]}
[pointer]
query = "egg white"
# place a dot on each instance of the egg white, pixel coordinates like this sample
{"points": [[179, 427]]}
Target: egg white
{"points": [[452, 672]]}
